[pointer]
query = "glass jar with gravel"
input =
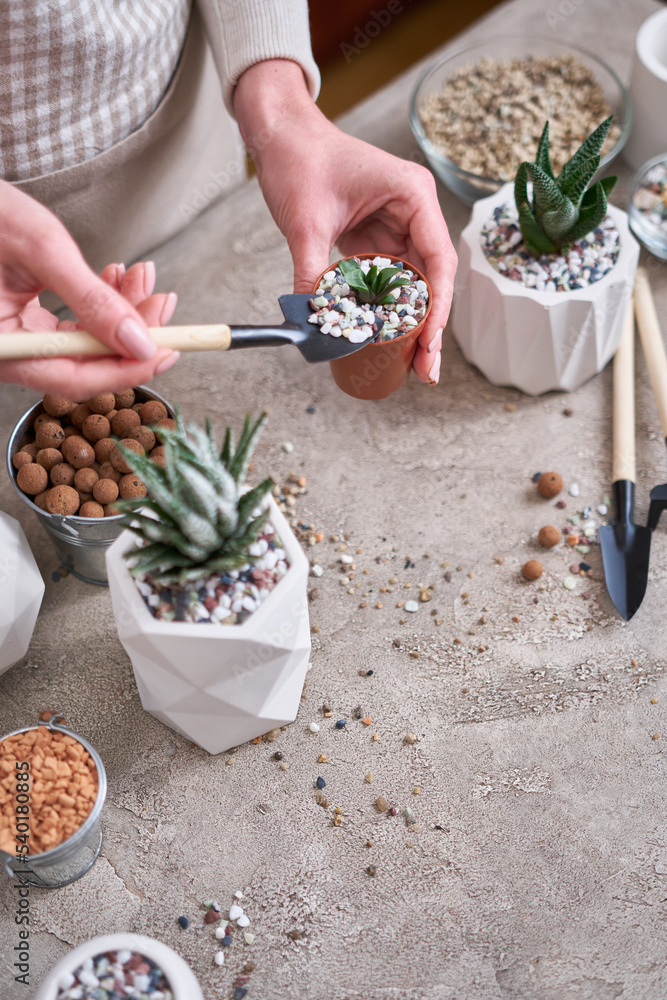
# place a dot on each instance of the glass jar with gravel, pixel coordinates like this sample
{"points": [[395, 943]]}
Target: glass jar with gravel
{"points": [[477, 112]]}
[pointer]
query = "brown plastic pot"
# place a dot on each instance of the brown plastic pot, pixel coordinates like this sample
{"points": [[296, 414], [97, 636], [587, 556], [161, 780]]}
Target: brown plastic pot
{"points": [[377, 370]]}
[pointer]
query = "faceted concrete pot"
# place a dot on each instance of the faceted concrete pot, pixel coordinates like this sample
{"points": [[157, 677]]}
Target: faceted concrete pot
{"points": [[219, 685], [21, 592], [181, 978], [534, 340]]}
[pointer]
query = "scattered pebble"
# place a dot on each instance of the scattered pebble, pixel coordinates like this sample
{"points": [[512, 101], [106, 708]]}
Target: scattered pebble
{"points": [[321, 783], [574, 490], [570, 582], [410, 738], [341, 723], [411, 606], [115, 974], [287, 447], [184, 923], [381, 804], [235, 911], [314, 728], [219, 958]]}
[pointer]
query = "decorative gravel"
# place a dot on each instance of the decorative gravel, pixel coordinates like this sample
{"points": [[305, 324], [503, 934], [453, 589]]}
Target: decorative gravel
{"points": [[488, 116], [113, 976], [648, 211], [587, 260], [221, 600], [338, 312]]}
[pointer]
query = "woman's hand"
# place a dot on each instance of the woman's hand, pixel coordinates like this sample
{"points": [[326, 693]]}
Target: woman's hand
{"points": [[326, 188], [37, 253]]}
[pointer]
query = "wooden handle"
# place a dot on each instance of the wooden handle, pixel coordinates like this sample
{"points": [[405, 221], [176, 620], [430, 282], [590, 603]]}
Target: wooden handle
{"points": [[624, 402], [652, 343], [57, 343]]}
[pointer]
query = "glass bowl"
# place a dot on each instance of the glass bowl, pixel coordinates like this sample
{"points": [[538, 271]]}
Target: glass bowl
{"points": [[649, 221], [467, 186]]}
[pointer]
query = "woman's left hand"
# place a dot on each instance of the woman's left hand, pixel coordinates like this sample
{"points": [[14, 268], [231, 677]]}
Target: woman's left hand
{"points": [[326, 188]]}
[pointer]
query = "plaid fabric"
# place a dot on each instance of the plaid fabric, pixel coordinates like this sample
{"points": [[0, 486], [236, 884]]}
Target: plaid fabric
{"points": [[77, 76]]}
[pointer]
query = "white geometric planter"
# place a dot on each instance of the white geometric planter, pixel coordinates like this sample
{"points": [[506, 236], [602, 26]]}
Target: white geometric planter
{"points": [[219, 685], [179, 975], [537, 341], [21, 592]]}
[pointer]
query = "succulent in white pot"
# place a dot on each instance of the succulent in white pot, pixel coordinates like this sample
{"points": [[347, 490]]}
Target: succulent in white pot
{"points": [[545, 275], [208, 586], [21, 592], [94, 967]]}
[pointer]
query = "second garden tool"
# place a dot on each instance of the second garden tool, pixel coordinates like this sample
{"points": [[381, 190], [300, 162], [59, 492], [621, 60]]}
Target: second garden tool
{"points": [[656, 362], [625, 545]]}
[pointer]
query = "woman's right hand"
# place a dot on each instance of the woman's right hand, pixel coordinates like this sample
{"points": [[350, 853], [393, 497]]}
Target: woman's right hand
{"points": [[37, 253]]}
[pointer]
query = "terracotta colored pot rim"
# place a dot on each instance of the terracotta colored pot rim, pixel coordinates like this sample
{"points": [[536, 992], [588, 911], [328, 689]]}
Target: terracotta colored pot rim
{"points": [[408, 266]]}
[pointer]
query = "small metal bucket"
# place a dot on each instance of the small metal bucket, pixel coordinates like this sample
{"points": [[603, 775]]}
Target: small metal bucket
{"points": [[74, 857], [81, 542]]}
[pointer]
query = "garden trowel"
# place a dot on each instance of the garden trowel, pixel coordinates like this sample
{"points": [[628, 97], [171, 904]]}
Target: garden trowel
{"points": [[625, 545], [296, 330], [656, 362]]}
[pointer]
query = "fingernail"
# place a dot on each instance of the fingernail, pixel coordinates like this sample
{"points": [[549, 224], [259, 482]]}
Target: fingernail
{"points": [[170, 360], [149, 277], [436, 343], [434, 373], [136, 340], [121, 270], [168, 308]]}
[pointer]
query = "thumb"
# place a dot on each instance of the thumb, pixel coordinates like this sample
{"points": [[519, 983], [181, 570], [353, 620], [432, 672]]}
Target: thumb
{"points": [[99, 308], [311, 258]]}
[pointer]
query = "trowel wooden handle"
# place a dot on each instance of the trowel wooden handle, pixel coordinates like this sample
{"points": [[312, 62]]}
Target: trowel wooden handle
{"points": [[624, 402], [652, 343], [57, 343]]}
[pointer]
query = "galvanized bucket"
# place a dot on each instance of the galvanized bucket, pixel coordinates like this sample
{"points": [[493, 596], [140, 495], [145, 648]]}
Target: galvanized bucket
{"points": [[74, 857], [81, 542]]}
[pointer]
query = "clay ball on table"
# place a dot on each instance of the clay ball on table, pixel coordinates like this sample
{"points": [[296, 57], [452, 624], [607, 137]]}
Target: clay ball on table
{"points": [[79, 414], [124, 399], [62, 500], [152, 411], [144, 435], [48, 457], [21, 458], [57, 406], [125, 423], [117, 459], [549, 484], [62, 474], [533, 569], [78, 452], [102, 403], [32, 478], [95, 427], [107, 471], [105, 491], [131, 487], [85, 479], [549, 536], [91, 509], [49, 435]]}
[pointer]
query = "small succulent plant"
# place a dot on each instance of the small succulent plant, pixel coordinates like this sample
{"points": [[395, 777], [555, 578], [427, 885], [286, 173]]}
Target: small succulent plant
{"points": [[564, 208], [372, 287], [201, 521]]}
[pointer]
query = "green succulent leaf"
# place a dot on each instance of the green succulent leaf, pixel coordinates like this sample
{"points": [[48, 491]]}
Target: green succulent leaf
{"points": [[577, 183], [521, 186], [547, 195], [542, 158], [557, 224], [591, 147], [533, 235], [591, 216]]}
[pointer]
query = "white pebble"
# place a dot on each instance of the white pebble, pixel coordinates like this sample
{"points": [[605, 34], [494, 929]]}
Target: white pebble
{"points": [[66, 981], [575, 490], [288, 447], [347, 560], [219, 958], [88, 978], [141, 982], [316, 570], [314, 728], [411, 606], [123, 956], [220, 933], [238, 894], [330, 276], [602, 509], [243, 921], [249, 938], [235, 911], [570, 582]]}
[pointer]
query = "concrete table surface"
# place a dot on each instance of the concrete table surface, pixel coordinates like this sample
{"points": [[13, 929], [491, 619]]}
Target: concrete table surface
{"points": [[536, 867]]}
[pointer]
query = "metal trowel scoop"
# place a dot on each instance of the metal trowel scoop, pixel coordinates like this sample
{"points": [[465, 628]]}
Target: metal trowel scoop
{"points": [[296, 330]]}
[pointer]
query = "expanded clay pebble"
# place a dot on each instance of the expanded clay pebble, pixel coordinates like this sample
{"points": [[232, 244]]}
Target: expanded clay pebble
{"points": [[32, 478], [118, 461], [107, 471], [103, 449], [62, 782], [131, 487], [48, 458], [62, 500], [91, 509], [145, 436], [115, 975], [125, 423], [22, 458], [549, 536], [102, 403], [533, 569], [85, 479], [78, 452], [57, 406], [105, 491], [125, 398], [49, 435], [152, 411], [96, 427], [549, 485]]}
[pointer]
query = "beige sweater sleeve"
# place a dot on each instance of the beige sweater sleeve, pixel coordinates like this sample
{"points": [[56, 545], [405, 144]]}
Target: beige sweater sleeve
{"points": [[244, 32]]}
